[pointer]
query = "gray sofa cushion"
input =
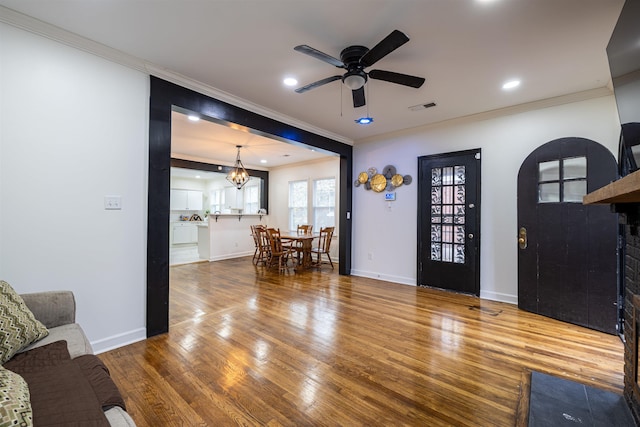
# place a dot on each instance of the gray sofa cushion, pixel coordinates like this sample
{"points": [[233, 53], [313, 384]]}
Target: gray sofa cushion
{"points": [[73, 334]]}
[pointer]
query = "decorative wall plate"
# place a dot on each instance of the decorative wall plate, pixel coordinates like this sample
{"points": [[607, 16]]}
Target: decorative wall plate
{"points": [[356, 183], [378, 183], [363, 177], [406, 180], [397, 180], [388, 171], [372, 171]]}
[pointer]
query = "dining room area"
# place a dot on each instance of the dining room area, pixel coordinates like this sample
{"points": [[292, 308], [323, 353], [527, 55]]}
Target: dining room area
{"points": [[293, 250]]}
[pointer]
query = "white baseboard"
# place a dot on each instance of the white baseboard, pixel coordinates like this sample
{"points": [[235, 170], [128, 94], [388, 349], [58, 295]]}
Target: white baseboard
{"points": [[497, 296], [395, 279], [230, 256], [120, 340], [493, 296]]}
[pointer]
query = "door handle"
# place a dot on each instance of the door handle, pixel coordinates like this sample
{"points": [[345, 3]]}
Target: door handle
{"points": [[522, 238]]}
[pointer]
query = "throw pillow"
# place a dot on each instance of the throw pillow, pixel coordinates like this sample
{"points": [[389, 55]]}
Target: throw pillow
{"points": [[15, 407], [18, 327]]}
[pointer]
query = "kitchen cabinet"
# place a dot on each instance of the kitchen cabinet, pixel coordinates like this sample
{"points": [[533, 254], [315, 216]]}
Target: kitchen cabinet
{"points": [[186, 200], [184, 233]]}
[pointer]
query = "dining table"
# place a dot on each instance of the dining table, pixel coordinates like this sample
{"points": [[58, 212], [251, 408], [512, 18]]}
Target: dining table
{"points": [[306, 243]]}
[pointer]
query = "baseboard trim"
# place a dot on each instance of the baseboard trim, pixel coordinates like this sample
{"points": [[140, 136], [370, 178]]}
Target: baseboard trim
{"points": [[120, 340], [388, 278], [230, 256], [488, 295], [500, 297]]}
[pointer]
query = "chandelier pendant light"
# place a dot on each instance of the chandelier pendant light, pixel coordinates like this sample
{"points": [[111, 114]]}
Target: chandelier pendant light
{"points": [[238, 175]]}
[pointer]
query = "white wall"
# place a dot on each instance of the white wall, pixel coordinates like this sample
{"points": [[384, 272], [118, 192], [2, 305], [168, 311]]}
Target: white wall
{"points": [[389, 235], [280, 177], [73, 129]]}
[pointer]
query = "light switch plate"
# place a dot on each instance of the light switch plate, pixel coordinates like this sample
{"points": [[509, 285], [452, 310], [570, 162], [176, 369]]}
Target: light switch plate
{"points": [[112, 202]]}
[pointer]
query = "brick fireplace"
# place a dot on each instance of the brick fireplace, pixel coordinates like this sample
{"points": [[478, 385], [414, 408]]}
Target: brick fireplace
{"points": [[632, 322]]}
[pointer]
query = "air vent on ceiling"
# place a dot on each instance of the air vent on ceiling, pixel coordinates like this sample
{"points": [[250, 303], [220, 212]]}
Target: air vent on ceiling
{"points": [[422, 106]]}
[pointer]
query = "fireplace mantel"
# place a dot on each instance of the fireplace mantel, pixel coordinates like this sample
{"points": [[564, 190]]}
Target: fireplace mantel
{"points": [[624, 190]]}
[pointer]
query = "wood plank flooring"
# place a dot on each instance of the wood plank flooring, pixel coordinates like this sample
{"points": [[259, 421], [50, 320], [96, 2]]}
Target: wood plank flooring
{"points": [[250, 347]]}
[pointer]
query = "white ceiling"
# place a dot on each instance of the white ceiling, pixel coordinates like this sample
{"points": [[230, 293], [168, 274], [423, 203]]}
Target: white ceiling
{"points": [[465, 49], [214, 143]]}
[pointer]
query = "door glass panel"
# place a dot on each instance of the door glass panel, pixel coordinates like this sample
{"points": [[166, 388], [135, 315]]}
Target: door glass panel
{"points": [[575, 190], [448, 214], [549, 193], [447, 176], [460, 175], [436, 176], [549, 171], [574, 168]]}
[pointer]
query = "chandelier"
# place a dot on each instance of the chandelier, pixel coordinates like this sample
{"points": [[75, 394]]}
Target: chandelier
{"points": [[238, 175]]}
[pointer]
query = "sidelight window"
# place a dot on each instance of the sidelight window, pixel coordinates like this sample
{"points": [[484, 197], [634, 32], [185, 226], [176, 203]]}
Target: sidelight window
{"points": [[562, 180]]}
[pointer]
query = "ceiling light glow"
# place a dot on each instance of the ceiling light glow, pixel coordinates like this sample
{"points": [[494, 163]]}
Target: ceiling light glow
{"points": [[364, 120], [193, 118], [290, 81], [263, 161], [511, 84]]}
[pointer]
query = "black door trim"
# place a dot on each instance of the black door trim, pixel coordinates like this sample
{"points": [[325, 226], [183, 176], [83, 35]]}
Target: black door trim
{"points": [[164, 96]]}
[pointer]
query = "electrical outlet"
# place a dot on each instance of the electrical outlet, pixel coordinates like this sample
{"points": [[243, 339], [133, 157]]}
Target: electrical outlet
{"points": [[112, 202]]}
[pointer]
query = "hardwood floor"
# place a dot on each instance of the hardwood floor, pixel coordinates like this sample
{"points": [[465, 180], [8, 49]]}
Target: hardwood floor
{"points": [[250, 347]]}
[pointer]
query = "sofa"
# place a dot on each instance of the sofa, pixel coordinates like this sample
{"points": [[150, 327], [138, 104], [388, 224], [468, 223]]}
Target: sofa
{"points": [[65, 380]]}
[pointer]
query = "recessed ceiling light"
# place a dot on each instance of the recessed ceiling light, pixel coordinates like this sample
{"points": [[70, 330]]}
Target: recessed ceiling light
{"points": [[364, 120], [197, 176], [263, 161], [193, 118], [290, 81], [511, 84]]}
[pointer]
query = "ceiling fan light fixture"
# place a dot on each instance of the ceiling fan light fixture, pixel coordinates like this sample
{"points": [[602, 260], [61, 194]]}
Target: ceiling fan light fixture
{"points": [[354, 80]]}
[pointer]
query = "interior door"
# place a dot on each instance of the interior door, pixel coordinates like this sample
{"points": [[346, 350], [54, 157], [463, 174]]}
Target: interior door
{"points": [[567, 266], [449, 221]]}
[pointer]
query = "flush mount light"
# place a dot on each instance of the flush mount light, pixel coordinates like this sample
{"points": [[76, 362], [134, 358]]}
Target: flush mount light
{"points": [[290, 81], [263, 161], [193, 118], [364, 120], [511, 84]]}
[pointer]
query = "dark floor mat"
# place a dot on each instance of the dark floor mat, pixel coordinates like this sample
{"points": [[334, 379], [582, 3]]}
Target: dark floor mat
{"points": [[558, 402]]}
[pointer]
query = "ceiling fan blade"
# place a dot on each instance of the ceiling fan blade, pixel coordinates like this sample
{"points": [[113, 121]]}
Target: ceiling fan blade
{"points": [[358, 97], [397, 78], [318, 83], [385, 47], [308, 50]]}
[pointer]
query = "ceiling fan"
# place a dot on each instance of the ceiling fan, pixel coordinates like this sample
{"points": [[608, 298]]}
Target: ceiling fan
{"points": [[355, 59]]}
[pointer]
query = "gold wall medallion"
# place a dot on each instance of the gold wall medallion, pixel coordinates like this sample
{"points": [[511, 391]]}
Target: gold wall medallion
{"points": [[378, 183]]}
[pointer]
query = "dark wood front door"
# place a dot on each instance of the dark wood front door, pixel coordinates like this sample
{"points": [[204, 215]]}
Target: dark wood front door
{"points": [[566, 250], [449, 221]]}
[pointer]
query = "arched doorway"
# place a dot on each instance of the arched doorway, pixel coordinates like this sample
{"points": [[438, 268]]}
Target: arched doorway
{"points": [[567, 262]]}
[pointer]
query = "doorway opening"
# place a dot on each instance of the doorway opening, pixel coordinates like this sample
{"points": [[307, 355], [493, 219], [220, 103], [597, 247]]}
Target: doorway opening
{"points": [[164, 98]]}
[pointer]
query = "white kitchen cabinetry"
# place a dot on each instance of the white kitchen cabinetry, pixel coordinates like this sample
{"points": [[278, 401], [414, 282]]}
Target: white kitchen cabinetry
{"points": [[186, 200], [184, 233]]}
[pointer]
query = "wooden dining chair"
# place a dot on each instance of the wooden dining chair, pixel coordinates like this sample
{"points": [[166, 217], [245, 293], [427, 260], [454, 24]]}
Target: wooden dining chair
{"points": [[323, 248], [302, 229], [280, 253], [261, 241], [305, 228]]}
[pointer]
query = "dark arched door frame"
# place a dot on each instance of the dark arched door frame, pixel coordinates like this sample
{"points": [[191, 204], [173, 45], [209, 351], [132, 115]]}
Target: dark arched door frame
{"points": [[164, 97]]}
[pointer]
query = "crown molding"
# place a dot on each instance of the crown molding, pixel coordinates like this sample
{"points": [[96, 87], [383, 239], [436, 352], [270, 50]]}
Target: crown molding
{"points": [[500, 112], [54, 33]]}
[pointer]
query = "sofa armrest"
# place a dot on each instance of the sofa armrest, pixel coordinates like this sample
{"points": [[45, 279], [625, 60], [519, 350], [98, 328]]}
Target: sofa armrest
{"points": [[52, 308]]}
